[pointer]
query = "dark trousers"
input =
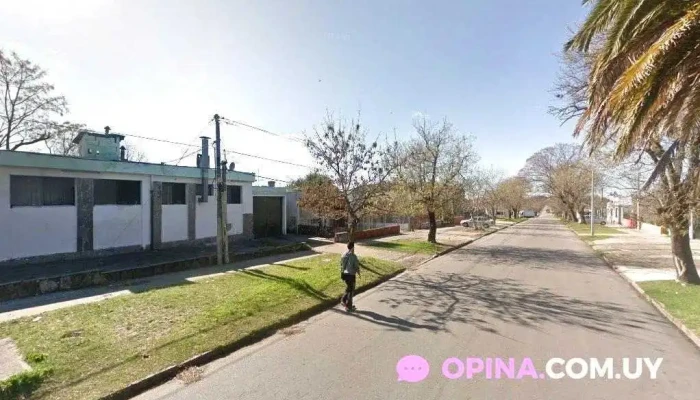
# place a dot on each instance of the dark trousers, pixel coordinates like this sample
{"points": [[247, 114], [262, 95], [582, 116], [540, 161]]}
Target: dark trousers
{"points": [[349, 280]]}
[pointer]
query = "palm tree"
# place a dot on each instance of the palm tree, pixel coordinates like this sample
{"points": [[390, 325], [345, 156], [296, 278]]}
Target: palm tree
{"points": [[644, 95]]}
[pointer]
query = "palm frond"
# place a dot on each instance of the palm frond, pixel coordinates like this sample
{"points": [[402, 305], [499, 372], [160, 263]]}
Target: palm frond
{"points": [[661, 165]]}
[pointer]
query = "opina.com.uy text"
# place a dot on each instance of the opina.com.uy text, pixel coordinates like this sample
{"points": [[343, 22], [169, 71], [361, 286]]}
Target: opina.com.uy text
{"points": [[413, 368]]}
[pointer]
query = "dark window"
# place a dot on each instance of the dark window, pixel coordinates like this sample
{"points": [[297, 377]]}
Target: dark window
{"points": [[111, 191], [174, 193], [233, 194], [210, 189], [37, 191]]}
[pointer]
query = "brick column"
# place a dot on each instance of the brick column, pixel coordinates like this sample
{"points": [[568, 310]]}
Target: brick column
{"points": [[192, 210], [248, 226], [85, 203], [156, 214]]}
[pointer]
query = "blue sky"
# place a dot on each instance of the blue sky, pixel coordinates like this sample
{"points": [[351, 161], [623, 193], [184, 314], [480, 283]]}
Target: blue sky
{"points": [[163, 68]]}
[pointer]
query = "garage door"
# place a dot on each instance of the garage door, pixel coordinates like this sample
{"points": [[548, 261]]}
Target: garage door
{"points": [[267, 216]]}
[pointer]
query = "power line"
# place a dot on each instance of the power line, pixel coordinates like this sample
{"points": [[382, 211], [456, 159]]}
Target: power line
{"points": [[161, 140], [234, 123], [179, 160], [271, 179], [230, 151], [270, 159]]}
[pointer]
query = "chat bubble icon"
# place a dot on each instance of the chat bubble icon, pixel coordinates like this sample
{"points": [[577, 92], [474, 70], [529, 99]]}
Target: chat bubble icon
{"points": [[412, 369]]}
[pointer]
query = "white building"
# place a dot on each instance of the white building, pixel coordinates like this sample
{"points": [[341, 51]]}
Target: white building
{"points": [[56, 207]]}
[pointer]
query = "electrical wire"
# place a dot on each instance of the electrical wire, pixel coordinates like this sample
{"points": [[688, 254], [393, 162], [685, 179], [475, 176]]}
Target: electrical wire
{"points": [[226, 150], [269, 159], [235, 123], [271, 179]]}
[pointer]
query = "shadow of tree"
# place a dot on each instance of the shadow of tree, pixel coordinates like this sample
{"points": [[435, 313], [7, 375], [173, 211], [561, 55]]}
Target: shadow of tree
{"points": [[449, 298], [299, 285], [532, 257], [293, 267]]}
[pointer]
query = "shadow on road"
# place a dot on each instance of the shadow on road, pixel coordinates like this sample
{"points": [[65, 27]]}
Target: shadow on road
{"points": [[392, 322], [532, 257], [448, 298]]}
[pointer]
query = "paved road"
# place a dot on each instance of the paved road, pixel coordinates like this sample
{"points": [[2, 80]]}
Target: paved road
{"points": [[533, 290]]}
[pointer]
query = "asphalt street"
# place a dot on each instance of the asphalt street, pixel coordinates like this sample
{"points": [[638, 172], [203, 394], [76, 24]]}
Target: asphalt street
{"points": [[532, 291]]}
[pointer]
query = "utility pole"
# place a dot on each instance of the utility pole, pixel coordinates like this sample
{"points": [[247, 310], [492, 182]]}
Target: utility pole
{"points": [[639, 189], [692, 224], [592, 199], [603, 204], [224, 211], [219, 189]]}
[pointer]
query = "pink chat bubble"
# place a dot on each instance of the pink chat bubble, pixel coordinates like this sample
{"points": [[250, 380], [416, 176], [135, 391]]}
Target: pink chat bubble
{"points": [[412, 369]]}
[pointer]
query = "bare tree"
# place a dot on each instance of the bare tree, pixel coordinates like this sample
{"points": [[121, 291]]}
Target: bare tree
{"points": [[513, 192], [133, 153], [60, 140], [359, 170], [560, 171], [435, 164], [571, 86], [482, 191], [320, 196], [27, 103]]}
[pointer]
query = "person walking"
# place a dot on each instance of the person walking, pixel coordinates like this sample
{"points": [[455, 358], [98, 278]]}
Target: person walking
{"points": [[349, 266]]}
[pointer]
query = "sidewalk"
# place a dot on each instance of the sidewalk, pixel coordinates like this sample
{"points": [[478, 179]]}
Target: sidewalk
{"points": [[189, 314], [33, 306], [641, 256], [20, 280], [36, 305], [448, 236]]}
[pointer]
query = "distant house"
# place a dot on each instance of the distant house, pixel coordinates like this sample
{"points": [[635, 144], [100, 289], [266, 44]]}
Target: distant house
{"points": [[100, 203], [275, 210]]}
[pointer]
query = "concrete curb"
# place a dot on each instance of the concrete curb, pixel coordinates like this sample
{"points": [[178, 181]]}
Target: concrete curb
{"points": [[659, 307], [689, 334], [153, 380]]}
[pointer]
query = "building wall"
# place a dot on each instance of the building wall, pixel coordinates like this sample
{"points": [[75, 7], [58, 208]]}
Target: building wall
{"points": [[174, 223], [293, 211], [33, 231], [50, 230], [234, 216], [205, 222], [117, 226], [205, 225]]}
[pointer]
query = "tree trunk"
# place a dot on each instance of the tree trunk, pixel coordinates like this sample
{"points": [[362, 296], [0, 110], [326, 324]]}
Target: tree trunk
{"points": [[582, 217], [683, 258], [352, 228], [432, 233], [573, 214]]}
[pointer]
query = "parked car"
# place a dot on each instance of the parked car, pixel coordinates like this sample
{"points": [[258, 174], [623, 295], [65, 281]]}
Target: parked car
{"points": [[596, 219], [528, 214], [476, 222]]}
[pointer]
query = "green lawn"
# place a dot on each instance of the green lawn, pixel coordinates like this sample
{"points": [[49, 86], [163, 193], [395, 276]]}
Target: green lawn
{"points": [[408, 246], [95, 349], [586, 237], [598, 229], [683, 302]]}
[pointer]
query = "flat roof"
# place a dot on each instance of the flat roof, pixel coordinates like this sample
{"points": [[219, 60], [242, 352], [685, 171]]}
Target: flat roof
{"points": [[271, 191], [82, 133], [24, 159]]}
